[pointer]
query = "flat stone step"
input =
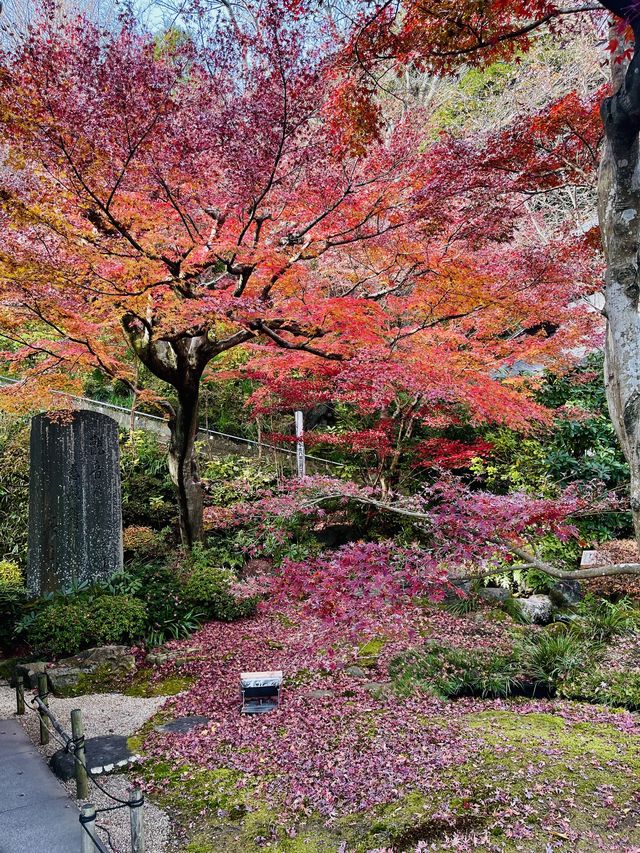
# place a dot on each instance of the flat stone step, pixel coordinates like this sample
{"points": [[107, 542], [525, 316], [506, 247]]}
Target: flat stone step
{"points": [[35, 811]]}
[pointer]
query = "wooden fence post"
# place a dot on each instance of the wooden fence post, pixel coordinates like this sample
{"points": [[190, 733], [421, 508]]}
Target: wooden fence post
{"points": [[77, 732], [136, 803], [88, 821], [20, 695], [42, 693]]}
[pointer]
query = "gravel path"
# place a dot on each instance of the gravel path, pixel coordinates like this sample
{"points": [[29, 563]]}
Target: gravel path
{"points": [[103, 713]]}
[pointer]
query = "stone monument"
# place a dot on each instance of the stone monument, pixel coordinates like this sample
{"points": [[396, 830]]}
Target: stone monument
{"points": [[75, 512]]}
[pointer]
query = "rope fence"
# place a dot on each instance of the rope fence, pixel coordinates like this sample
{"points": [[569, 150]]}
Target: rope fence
{"points": [[74, 745]]}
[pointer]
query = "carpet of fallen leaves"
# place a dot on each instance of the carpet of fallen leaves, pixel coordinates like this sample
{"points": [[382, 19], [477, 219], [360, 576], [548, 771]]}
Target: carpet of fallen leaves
{"points": [[343, 743]]}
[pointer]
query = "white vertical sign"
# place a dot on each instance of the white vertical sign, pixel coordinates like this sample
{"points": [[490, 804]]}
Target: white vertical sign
{"points": [[300, 444]]}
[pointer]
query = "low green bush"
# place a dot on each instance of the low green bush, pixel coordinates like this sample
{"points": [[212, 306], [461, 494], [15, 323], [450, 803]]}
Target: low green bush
{"points": [[549, 658], [117, 619], [159, 586], [66, 626], [451, 673], [210, 589], [599, 686], [600, 619]]}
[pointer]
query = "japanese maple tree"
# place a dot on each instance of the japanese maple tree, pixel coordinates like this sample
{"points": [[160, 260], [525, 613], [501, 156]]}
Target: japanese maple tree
{"points": [[441, 38], [194, 201], [180, 201]]}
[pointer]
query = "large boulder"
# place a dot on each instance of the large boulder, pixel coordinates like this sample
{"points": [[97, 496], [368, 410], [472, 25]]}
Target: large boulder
{"points": [[537, 609], [31, 671], [66, 675], [494, 593], [567, 592]]}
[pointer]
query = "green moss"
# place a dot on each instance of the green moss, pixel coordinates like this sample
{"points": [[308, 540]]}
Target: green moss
{"points": [[369, 652], [526, 752], [8, 667], [526, 760], [104, 679], [143, 685]]}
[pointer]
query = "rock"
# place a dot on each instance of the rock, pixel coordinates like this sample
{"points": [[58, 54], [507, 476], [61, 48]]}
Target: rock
{"points": [[537, 609], [176, 655], [99, 655], [567, 592], [183, 724], [320, 694], [379, 689], [31, 671], [75, 511], [494, 593], [65, 675], [104, 754], [356, 672], [463, 584]]}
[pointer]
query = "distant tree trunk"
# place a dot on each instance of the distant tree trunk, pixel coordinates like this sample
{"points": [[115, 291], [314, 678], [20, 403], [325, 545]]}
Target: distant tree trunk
{"points": [[180, 362], [183, 462], [619, 214]]}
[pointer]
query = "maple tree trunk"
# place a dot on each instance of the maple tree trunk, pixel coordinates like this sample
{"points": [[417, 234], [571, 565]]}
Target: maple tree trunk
{"points": [[183, 463], [619, 214]]}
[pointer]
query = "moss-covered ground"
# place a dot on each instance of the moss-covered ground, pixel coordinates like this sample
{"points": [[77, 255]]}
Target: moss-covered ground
{"points": [[540, 783], [342, 768]]}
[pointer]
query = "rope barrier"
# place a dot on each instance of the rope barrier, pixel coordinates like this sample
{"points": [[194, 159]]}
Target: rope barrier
{"points": [[71, 746]]}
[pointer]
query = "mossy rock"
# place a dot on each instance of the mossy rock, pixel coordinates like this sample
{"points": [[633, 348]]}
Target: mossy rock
{"points": [[369, 652], [145, 687]]}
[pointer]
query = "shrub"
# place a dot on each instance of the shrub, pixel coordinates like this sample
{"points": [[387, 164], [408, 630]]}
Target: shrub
{"points": [[159, 586], [65, 626], [620, 689], [451, 673], [143, 541], [148, 495], [603, 619], [209, 588], [12, 601], [117, 619], [14, 487], [59, 628], [10, 574], [549, 658]]}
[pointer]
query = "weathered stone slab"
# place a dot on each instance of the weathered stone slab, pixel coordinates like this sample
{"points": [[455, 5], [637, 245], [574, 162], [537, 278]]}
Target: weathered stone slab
{"points": [[105, 754], [75, 513], [181, 725]]}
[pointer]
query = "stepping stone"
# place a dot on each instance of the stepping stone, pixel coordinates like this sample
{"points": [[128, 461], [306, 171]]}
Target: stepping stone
{"points": [[181, 725], [104, 755]]}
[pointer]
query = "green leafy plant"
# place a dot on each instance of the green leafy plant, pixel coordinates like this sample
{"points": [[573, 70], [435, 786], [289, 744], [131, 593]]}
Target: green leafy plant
{"points": [[619, 689], [10, 574], [12, 603], [451, 673], [62, 627], [14, 488], [550, 657], [460, 606], [601, 619], [176, 627], [208, 588], [148, 495]]}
